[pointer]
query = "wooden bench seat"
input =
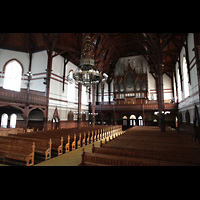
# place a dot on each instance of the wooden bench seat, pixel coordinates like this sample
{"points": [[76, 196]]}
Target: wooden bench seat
{"points": [[150, 145], [82, 138], [42, 150], [52, 143], [155, 155], [113, 160], [93, 164], [57, 141], [145, 148], [17, 155], [60, 138]]}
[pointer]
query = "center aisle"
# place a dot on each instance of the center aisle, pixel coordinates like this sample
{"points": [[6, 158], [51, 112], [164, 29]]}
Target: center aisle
{"points": [[72, 158]]}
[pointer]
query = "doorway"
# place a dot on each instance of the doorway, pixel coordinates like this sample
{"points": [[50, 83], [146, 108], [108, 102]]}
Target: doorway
{"points": [[132, 120]]}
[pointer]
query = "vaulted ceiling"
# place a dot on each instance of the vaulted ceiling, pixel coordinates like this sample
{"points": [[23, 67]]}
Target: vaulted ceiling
{"points": [[158, 48]]}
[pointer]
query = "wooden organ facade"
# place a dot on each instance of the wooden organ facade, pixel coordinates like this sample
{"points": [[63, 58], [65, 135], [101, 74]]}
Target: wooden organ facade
{"points": [[132, 91], [131, 88]]}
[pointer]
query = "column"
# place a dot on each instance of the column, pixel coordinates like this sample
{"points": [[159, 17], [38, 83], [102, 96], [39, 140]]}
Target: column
{"points": [[79, 120], [159, 77], [48, 76], [109, 82], [49, 42], [102, 93], [161, 105], [93, 104]]}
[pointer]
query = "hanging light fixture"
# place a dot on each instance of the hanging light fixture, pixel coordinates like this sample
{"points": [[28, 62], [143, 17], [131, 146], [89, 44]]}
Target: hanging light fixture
{"points": [[87, 74]]}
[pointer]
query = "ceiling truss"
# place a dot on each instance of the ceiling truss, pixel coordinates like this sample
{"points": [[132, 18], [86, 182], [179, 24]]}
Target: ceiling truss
{"points": [[158, 48]]}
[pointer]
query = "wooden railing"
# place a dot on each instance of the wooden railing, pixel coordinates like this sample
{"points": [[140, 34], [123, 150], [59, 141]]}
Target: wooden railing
{"points": [[22, 96], [168, 106]]}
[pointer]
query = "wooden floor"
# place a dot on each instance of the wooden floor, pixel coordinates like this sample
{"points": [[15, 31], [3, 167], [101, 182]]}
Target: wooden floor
{"points": [[72, 158]]}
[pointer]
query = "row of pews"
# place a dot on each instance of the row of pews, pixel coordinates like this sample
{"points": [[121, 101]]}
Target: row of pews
{"points": [[32, 148], [145, 146], [9, 131]]}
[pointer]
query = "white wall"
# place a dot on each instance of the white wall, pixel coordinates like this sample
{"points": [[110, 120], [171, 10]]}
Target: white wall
{"points": [[58, 98], [67, 100], [38, 69], [189, 102]]}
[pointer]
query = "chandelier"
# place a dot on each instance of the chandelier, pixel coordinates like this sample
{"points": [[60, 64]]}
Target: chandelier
{"points": [[87, 74]]}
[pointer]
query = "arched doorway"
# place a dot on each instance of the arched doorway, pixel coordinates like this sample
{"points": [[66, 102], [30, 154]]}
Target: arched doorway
{"points": [[55, 123], [132, 120], [187, 117], [36, 119], [140, 119], [56, 120], [125, 124]]}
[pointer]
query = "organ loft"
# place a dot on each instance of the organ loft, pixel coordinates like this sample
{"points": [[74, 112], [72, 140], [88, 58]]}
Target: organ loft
{"points": [[65, 92]]}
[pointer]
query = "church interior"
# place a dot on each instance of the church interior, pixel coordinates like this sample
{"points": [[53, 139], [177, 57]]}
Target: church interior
{"points": [[99, 99]]}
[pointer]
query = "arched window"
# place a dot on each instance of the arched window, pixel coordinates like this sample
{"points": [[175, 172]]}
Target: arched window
{"points": [[4, 120], [179, 86], [185, 77], [12, 77], [13, 120], [140, 121]]}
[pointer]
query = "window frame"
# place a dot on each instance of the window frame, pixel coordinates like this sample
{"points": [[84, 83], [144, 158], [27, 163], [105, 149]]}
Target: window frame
{"points": [[4, 71]]}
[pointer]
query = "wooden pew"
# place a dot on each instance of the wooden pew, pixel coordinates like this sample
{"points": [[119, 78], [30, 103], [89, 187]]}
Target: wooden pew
{"points": [[52, 142], [57, 141], [17, 154], [42, 150], [154, 145], [96, 159], [7, 131], [82, 138], [67, 146], [118, 156], [154, 155], [61, 140], [74, 143]]}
